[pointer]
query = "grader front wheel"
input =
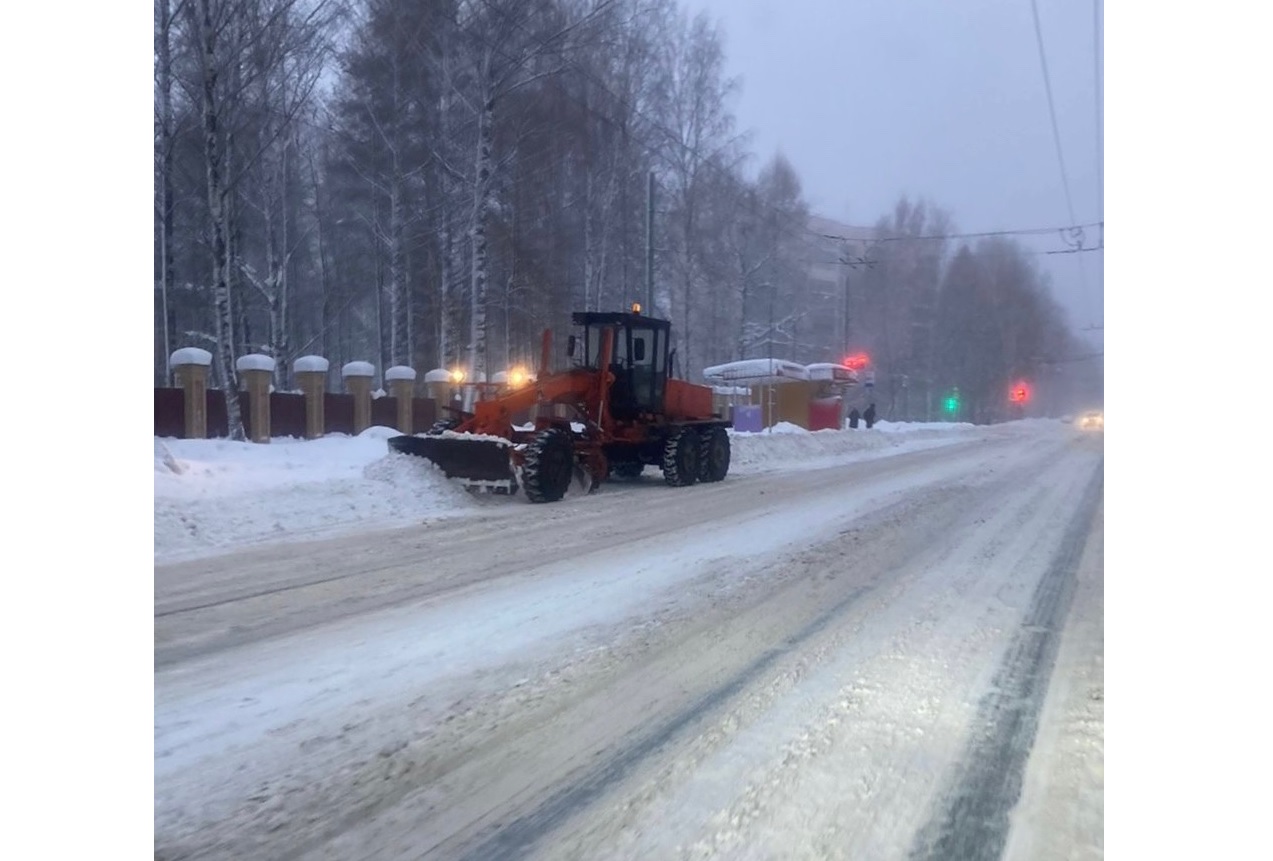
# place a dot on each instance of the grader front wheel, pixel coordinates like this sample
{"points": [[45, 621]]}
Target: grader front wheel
{"points": [[549, 466]]}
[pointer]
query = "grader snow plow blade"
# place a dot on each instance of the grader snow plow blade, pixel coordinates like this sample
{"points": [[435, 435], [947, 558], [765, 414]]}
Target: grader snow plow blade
{"points": [[474, 461]]}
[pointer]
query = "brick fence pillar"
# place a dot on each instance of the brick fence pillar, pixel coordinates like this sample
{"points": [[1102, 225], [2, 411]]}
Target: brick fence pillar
{"points": [[255, 372], [190, 368], [401, 381], [440, 386], [357, 376], [311, 376]]}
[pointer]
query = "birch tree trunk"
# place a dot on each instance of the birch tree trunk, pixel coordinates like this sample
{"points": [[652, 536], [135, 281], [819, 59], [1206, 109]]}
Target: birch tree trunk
{"points": [[217, 214], [397, 274], [164, 140], [482, 200], [446, 321]]}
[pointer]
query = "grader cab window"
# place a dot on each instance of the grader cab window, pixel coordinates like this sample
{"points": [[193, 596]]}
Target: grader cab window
{"points": [[638, 360]]}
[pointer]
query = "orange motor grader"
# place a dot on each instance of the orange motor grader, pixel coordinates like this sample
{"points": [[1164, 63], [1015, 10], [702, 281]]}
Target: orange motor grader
{"points": [[616, 410]]}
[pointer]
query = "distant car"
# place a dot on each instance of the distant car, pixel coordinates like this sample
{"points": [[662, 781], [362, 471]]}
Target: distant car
{"points": [[1094, 420]]}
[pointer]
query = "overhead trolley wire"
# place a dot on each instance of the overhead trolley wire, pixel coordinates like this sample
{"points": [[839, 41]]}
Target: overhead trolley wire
{"points": [[1047, 85]]}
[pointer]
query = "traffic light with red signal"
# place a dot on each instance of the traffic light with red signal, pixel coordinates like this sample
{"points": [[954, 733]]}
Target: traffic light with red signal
{"points": [[1019, 394]]}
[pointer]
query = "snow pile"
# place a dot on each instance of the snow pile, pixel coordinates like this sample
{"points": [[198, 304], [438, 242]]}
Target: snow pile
{"points": [[213, 495], [912, 427], [787, 427], [473, 437], [792, 447], [164, 461]]}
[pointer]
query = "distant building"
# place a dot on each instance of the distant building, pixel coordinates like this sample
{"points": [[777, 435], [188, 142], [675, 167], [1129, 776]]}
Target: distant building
{"points": [[836, 253]]}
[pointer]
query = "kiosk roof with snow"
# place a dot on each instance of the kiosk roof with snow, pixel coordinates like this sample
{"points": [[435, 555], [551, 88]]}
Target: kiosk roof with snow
{"points": [[840, 374], [755, 372]]}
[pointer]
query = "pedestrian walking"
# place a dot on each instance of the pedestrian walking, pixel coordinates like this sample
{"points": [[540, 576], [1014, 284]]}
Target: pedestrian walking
{"points": [[869, 416], [854, 416]]}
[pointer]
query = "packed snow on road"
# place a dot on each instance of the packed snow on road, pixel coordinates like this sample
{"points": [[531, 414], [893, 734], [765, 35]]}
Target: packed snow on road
{"points": [[881, 643]]}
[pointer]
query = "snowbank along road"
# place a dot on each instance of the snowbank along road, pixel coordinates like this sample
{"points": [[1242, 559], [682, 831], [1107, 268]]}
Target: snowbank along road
{"points": [[895, 658]]}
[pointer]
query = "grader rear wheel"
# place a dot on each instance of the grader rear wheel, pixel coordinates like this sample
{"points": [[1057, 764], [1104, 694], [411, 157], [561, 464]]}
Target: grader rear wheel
{"points": [[680, 458], [713, 455]]}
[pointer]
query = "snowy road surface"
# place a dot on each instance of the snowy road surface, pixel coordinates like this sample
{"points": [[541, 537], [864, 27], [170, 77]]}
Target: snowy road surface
{"points": [[888, 658]]}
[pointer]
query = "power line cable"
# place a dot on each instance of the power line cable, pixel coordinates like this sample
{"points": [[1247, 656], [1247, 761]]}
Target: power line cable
{"points": [[1047, 85], [1072, 250], [1100, 113], [1020, 231], [1056, 138]]}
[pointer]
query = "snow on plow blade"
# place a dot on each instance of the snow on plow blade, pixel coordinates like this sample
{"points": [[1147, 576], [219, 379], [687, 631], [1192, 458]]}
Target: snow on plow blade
{"points": [[469, 458]]}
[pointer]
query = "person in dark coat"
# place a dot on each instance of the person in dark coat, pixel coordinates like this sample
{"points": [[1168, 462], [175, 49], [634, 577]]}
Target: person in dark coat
{"points": [[854, 415], [869, 416]]}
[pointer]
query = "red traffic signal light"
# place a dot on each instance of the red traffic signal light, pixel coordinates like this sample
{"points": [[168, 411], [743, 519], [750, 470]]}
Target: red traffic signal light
{"points": [[1020, 393]]}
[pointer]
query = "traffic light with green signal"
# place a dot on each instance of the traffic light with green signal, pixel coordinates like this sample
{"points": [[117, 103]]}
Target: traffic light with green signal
{"points": [[952, 402]]}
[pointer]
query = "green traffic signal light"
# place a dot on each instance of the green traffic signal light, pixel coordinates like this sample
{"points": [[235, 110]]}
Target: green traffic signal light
{"points": [[952, 404]]}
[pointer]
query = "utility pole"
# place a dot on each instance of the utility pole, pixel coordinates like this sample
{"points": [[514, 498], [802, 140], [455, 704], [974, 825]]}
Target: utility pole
{"points": [[851, 262], [771, 322], [649, 243], [846, 312]]}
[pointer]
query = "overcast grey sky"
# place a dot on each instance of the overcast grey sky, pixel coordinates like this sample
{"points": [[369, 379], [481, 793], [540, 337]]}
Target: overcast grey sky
{"points": [[942, 99]]}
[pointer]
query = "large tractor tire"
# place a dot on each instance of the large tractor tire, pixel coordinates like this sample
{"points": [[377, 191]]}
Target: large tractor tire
{"points": [[549, 466], [713, 455], [680, 458]]}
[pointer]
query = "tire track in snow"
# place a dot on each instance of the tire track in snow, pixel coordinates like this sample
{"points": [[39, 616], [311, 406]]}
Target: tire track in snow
{"points": [[523, 836], [621, 743], [519, 837], [527, 822], [209, 605], [885, 688], [974, 818]]}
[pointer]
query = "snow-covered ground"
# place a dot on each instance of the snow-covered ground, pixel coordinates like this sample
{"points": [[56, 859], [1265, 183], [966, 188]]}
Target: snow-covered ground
{"points": [[215, 495], [830, 654]]}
